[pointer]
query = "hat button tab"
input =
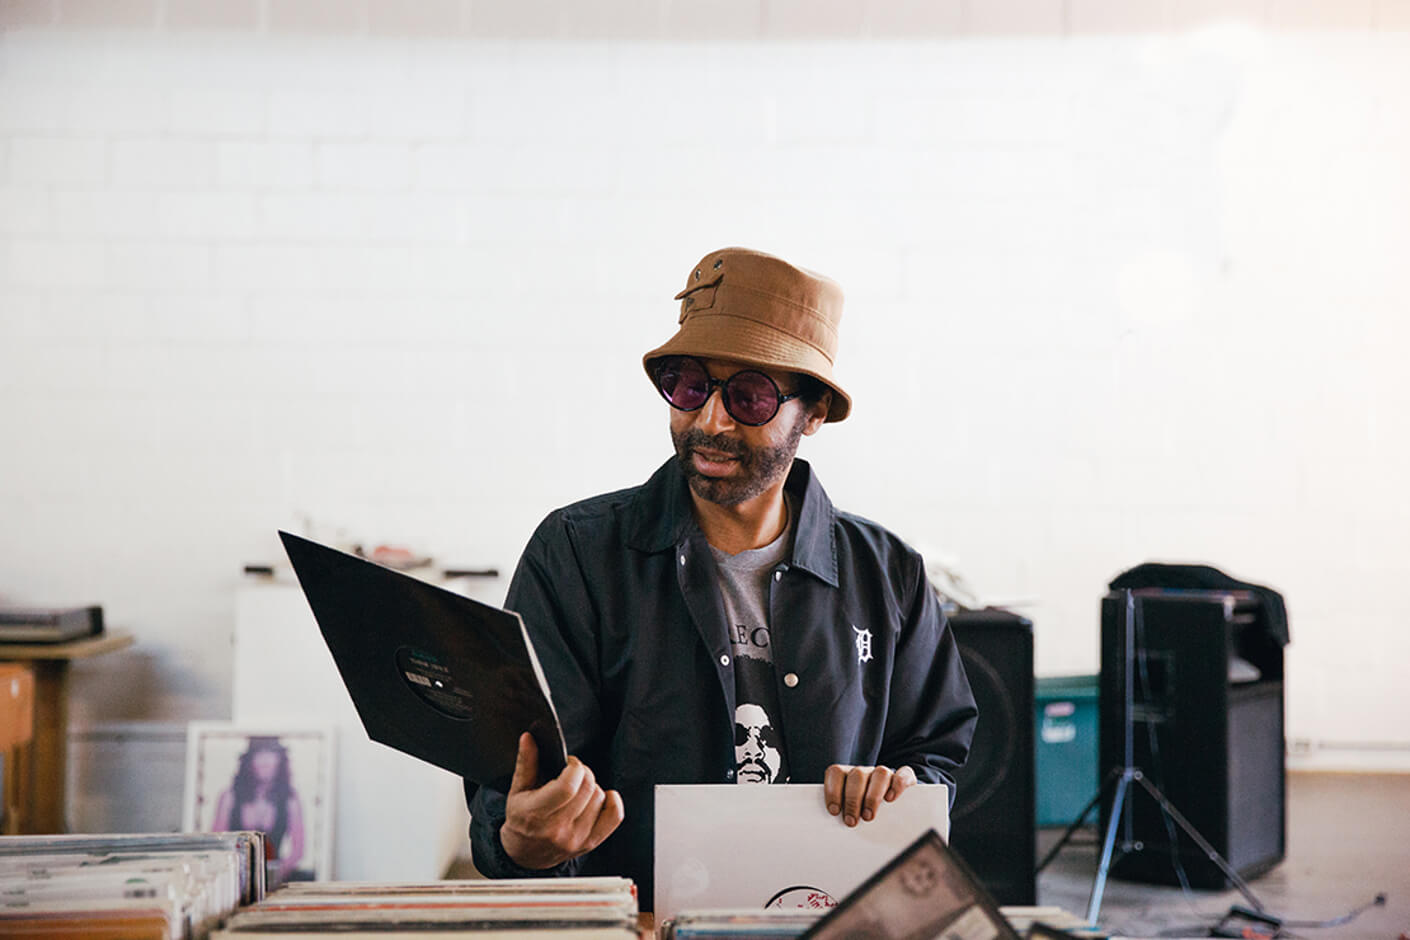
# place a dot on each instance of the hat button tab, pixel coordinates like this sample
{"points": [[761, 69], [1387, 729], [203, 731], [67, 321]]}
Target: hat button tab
{"points": [[697, 274], [719, 263]]}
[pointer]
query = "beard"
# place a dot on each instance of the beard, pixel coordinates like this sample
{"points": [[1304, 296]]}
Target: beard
{"points": [[759, 467]]}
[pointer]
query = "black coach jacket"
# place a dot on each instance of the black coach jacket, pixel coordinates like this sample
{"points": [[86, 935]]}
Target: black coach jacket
{"points": [[619, 594]]}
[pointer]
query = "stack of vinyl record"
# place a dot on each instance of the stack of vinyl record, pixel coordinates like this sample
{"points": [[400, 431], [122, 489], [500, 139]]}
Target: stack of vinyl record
{"points": [[127, 887], [527, 909], [766, 924], [776, 924]]}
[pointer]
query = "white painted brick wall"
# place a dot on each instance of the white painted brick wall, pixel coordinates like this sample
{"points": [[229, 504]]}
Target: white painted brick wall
{"points": [[362, 166], [117, 109], [1118, 291], [318, 114], [257, 165], [46, 160], [162, 163]]}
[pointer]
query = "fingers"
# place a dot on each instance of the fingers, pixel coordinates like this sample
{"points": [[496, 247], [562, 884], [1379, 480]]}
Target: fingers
{"points": [[854, 787], [833, 779], [579, 789], [526, 765], [901, 781], [877, 785], [856, 793], [608, 818], [555, 793], [567, 816]]}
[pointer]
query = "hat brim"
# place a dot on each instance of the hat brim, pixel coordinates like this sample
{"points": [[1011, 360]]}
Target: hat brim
{"points": [[741, 339]]}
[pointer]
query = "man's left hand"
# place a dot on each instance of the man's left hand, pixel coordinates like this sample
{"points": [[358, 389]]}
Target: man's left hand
{"points": [[856, 793]]}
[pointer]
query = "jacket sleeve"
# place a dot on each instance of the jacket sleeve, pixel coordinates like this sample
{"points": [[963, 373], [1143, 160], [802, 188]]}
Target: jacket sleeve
{"points": [[549, 594], [931, 714]]}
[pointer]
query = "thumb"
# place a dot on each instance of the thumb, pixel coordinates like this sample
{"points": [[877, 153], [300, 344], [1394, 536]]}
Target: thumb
{"points": [[526, 765]]}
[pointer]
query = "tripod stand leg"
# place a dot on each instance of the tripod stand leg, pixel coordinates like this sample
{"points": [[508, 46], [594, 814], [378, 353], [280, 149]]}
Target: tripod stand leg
{"points": [[1081, 818], [1210, 851], [1094, 905]]}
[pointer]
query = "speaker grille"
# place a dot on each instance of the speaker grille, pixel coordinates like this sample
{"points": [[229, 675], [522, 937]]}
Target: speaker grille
{"points": [[993, 820], [987, 775]]}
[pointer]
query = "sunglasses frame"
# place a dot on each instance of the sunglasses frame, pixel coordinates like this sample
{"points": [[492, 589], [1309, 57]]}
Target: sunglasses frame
{"points": [[714, 383]]}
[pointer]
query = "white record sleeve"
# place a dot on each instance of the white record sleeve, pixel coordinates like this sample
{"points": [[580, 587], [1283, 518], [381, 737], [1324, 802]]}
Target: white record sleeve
{"points": [[759, 846]]}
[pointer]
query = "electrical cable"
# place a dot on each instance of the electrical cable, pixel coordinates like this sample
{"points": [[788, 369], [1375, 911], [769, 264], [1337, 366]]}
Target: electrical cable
{"points": [[1378, 901], [1268, 926]]}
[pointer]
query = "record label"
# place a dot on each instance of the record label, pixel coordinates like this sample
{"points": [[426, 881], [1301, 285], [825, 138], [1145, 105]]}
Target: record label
{"points": [[433, 684]]}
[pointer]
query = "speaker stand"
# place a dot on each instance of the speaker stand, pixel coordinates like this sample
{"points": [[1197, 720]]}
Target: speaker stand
{"points": [[1122, 778]]}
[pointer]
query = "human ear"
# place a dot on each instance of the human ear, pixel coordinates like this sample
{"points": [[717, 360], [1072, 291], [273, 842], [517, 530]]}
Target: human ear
{"points": [[817, 414]]}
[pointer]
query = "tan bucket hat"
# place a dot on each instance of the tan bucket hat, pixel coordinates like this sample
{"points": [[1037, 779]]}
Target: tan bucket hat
{"points": [[754, 308]]}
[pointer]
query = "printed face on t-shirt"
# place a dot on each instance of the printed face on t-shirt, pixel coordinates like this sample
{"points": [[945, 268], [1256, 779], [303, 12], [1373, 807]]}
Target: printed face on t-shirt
{"points": [[756, 754]]}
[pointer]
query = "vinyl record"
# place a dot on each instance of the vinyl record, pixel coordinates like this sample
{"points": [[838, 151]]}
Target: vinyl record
{"points": [[432, 673]]}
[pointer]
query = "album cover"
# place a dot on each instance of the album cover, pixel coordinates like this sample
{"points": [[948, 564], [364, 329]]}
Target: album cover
{"points": [[417, 931], [926, 891], [732, 846], [432, 673], [276, 777], [90, 925], [245, 852], [522, 909], [125, 887], [727, 924], [596, 885]]}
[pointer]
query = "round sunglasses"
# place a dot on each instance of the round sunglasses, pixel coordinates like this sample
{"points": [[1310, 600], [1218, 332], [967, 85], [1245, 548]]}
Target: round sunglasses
{"points": [[750, 397]]}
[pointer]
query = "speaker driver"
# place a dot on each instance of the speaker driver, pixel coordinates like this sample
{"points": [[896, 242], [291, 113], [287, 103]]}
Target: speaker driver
{"points": [[992, 819], [989, 764]]}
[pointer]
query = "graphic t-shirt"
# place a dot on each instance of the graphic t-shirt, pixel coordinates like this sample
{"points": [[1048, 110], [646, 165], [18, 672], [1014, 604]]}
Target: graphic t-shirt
{"points": [[759, 753]]}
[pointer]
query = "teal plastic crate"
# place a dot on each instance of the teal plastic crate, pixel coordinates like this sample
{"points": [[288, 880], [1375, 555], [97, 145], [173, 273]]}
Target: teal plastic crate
{"points": [[1065, 718]]}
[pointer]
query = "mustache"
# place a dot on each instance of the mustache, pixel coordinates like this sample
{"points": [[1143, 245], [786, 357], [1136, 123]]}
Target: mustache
{"points": [[754, 766], [695, 439]]}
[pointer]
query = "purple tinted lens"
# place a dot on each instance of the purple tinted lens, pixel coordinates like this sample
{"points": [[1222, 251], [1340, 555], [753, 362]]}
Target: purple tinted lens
{"points": [[684, 383], [751, 397]]}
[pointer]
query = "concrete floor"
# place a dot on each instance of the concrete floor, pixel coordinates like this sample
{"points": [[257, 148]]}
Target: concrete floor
{"points": [[1348, 839]]}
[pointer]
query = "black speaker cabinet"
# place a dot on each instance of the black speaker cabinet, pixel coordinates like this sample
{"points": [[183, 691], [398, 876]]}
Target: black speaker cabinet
{"points": [[1211, 744], [992, 822]]}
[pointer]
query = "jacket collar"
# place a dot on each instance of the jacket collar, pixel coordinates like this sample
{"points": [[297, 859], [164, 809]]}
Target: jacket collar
{"points": [[660, 517]]}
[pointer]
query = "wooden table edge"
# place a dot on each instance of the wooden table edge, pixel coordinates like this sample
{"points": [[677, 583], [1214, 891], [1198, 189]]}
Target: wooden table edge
{"points": [[73, 649]]}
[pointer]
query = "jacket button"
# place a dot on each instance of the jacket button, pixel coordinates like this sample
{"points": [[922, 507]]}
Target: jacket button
{"points": [[682, 559], [729, 776], [724, 660], [791, 680], [778, 575]]}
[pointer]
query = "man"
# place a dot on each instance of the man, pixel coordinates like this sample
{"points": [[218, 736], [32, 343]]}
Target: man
{"points": [[723, 622]]}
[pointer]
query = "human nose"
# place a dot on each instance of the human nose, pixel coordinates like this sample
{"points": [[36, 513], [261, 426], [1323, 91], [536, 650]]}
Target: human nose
{"points": [[713, 417]]}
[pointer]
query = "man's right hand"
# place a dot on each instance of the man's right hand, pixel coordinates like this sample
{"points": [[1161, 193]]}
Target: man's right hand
{"points": [[566, 817]]}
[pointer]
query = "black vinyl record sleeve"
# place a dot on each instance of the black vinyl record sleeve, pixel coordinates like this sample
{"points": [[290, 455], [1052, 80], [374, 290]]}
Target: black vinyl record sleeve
{"points": [[432, 673]]}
